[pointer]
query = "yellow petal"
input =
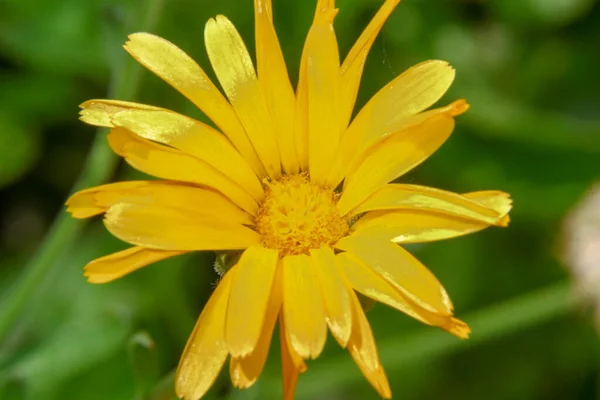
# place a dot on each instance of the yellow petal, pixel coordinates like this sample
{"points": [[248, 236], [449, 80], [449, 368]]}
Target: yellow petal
{"points": [[100, 112], [291, 363], [168, 163], [250, 289], [233, 67], [400, 269], [408, 226], [97, 200], [325, 9], [496, 200], [392, 157], [363, 350], [194, 138], [302, 308], [427, 199], [364, 280], [335, 294], [301, 116], [159, 227], [275, 82], [322, 69], [206, 350], [390, 110], [113, 266], [176, 68], [353, 65], [245, 371], [410, 93]]}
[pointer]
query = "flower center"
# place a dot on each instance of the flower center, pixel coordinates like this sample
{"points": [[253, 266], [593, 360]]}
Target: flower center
{"points": [[297, 216]]}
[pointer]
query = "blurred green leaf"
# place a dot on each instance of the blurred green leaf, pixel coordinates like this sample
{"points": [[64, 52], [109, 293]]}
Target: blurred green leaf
{"points": [[19, 148]]}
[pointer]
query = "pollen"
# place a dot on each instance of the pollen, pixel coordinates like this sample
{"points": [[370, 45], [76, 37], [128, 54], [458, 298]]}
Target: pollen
{"points": [[297, 215]]}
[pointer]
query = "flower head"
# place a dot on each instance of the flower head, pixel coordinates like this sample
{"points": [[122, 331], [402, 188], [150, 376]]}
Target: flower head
{"points": [[296, 185]]}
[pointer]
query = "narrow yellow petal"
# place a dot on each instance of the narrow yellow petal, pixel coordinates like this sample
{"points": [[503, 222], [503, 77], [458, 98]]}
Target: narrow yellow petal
{"points": [[496, 200], [301, 116], [302, 308], [206, 350], [325, 9], [366, 281], [160, 227], [233, 67], [168, 163], [353, 65], [427, 199], [245, 371], [347, 156], [291, 363], [99, 112], [413, 226], [363, 279], [336, 299], [250, 289], [275, 82], [194, 138], [113, 266], [176, 68], [390, 110], [322, 69], [400, 269], [392, 157], [196, 200], [363, 350], [410, 93]]}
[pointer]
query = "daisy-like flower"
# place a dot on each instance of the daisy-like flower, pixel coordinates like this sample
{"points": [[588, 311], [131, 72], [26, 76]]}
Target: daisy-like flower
{"points": [[288, 180]]}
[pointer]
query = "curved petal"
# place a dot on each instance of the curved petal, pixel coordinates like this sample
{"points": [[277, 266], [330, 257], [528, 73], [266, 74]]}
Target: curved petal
{"points": [[233, 67], [392, 157], [245, 371], [168, 163], [250, 289], [335, 294], [195, 200], [194, 138], [400, 269], [427, 199], [411, 92], [414, 226], [323, 75], [165, 228], [113, 266], [175, 67], [302, 309], [291, 363], [363, 350], [206, 350], [364, 280], [396, 107], [275, 82], [352, 68]]}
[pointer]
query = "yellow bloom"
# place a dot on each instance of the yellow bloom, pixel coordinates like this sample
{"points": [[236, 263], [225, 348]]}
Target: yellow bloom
{"points": [[291, 180]]}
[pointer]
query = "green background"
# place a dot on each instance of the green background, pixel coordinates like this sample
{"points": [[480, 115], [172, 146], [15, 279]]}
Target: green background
{"points": [[527, 67]]}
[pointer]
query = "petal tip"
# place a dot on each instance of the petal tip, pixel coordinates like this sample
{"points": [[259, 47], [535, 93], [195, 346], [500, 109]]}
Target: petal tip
{"points": [[458, 328], [459, 107]]}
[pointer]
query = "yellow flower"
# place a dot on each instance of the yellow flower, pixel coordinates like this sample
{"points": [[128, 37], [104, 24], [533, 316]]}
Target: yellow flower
{"points": [[289, 179]]}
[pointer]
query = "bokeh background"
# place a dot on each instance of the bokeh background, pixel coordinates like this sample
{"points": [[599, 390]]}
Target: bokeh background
{"points": [[529, 69]]}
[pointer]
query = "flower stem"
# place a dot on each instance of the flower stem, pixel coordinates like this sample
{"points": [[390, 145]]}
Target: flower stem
{"points": [[488, 324], [99, 166]]}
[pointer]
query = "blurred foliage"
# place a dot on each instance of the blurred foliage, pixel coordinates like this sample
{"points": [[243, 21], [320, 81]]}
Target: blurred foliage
{"points": [[528, 68]]}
